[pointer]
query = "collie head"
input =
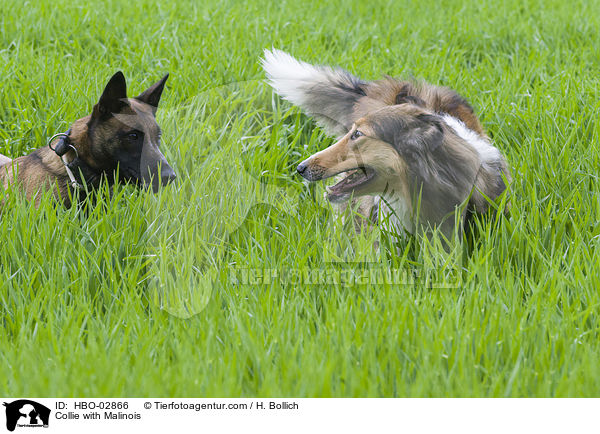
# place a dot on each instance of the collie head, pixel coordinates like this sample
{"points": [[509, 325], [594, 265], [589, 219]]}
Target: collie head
{"points": [[406, 154]]}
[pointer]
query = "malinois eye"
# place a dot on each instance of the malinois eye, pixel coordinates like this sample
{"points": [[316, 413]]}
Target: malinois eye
{"points": [[133, 136], [356, 134]]}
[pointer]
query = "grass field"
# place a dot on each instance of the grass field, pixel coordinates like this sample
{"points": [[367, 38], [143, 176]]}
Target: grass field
{"points": [[150, 295]]}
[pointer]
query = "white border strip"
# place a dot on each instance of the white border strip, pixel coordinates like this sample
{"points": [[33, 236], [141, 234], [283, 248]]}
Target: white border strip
{"points": [[307, 415]]}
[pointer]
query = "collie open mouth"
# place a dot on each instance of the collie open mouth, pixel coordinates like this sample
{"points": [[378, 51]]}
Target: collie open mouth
{"points": [[354, 179]]}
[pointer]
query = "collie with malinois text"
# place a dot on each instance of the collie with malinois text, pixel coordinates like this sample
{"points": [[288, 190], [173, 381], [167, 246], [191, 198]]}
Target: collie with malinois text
{"points": [[410, 153], [118, 141]]}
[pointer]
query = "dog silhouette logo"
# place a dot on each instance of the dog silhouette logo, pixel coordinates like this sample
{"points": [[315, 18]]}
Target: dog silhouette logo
{"points": [[26, 413]]}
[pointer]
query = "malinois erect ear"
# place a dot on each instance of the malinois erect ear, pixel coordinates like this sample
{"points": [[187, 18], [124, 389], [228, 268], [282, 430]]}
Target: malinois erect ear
{"points": [[151, 96], [114, 97]]}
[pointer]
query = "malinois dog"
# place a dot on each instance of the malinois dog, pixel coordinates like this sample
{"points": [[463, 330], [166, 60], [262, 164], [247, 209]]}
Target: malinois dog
{"points": [[118, 141], [411, 152]]}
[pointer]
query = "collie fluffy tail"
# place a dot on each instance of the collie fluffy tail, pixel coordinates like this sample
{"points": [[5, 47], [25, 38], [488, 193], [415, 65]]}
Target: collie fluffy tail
{"points": [[328, 94]]}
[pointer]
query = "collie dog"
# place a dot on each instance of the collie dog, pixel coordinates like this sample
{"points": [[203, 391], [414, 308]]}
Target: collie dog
{"points": [[409, 153]]}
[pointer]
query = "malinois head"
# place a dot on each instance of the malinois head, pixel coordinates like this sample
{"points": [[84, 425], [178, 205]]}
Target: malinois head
{"points": [[121, 135]]}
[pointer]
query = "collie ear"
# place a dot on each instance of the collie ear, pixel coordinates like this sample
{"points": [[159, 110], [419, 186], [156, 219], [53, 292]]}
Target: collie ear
{"points": [[151, 96], [415, 141], [442, 172], [114, 97]]}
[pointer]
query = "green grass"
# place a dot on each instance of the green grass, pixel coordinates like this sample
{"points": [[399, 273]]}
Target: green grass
{"points": [[135, 296]]}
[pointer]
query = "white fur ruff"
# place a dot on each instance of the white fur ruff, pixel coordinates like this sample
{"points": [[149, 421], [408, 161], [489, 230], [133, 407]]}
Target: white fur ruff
{"points": [[484, 148], [4, 160]]}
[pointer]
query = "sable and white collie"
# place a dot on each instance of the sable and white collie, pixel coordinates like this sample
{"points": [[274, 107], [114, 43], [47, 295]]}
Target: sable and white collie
{"points": [[411, 153]]}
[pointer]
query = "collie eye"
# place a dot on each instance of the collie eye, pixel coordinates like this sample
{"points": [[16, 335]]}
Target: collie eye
{"points": [[356, 134], [133, 136]]}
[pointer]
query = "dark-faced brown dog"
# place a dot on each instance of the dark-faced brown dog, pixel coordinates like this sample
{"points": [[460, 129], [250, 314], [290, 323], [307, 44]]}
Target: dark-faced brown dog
{"points": [[412, 153], [119, 141]]}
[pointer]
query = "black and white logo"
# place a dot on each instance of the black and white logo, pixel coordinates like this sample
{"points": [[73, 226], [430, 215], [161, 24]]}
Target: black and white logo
{"points": [[25, 413]]}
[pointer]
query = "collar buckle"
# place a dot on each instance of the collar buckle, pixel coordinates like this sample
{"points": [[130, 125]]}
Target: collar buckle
{"points": [[60, 149]]}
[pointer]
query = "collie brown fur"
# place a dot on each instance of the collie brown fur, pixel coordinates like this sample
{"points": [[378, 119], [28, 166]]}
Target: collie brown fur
{"points": [[409, 149]]}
